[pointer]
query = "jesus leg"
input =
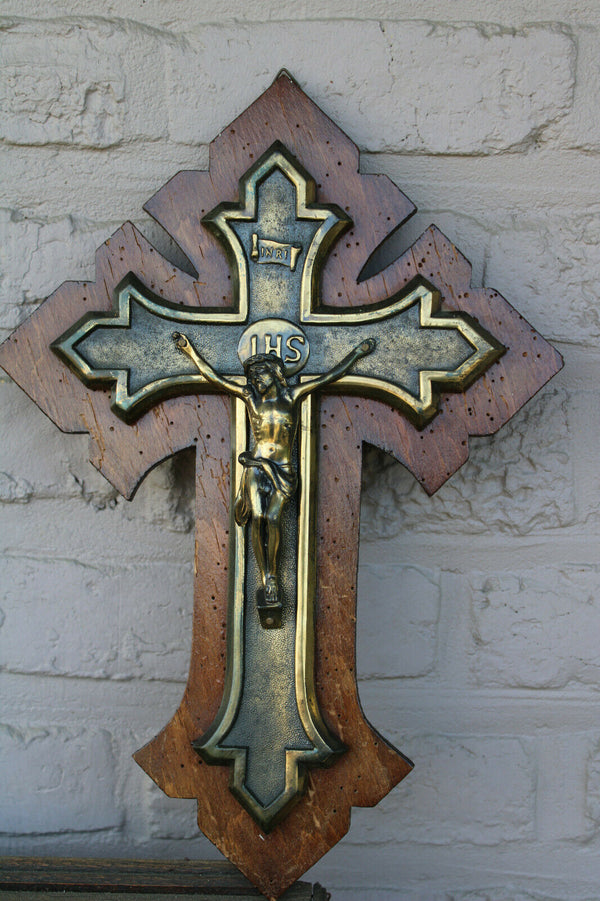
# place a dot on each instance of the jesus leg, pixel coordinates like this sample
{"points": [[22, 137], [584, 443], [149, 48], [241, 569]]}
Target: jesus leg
{"points": [[258, 528], [273, 541]]}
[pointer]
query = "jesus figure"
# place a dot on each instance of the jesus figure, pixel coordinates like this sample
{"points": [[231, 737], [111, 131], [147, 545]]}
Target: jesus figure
{"points": [[269, 478]]}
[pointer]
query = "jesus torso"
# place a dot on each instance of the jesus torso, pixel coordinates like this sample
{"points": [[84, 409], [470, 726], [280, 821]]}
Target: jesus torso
{"points": [[274, 423]]}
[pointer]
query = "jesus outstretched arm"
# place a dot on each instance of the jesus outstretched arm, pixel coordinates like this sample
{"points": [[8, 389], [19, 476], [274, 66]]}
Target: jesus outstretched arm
{"points": [[366, 347], [184, 345]]}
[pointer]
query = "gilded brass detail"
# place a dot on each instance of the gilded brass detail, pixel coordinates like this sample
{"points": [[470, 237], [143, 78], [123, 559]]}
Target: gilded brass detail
{"points": [[275, 336], [264, 251]]}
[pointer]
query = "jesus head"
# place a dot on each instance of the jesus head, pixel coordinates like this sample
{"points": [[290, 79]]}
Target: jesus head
{"points": [[265, 371]]}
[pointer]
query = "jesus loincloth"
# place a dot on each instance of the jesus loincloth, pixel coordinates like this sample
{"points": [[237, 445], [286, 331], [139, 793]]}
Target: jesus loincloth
{"points": [[279, 477]]}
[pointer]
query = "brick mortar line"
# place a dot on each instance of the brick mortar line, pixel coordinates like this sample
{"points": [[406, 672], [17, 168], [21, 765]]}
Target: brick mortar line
{"points": [[439, 696], [514, 151], [498, 29]]}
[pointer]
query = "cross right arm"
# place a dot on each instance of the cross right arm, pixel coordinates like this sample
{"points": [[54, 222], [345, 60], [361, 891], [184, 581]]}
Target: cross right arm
{"points": [[183, 344], [299, 392]]}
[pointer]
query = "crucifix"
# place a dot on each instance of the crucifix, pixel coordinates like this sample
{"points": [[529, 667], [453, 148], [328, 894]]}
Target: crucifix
{"points": [[269, 478], [269, 725], [277, 362]]}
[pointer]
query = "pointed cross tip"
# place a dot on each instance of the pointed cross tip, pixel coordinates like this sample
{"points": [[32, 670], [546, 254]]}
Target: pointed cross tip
{"points": [[284, 73], [559, 360]]}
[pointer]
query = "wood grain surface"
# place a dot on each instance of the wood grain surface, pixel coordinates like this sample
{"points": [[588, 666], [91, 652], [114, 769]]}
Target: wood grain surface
{"points": [[125, 453], [78, 877]]}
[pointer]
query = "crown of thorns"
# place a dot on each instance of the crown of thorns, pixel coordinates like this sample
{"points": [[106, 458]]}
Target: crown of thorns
{"points": [[273, 361]]}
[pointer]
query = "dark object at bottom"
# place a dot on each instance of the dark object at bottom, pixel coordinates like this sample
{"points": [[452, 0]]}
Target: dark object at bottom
{"points": [[24, 878]]}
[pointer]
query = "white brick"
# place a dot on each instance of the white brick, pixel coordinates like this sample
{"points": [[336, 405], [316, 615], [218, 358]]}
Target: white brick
{"points": [[169, 818], [551, 267], [191, 14], [166, 499], [156, 645], [66, 617], [431, 873], [500, 893], [390, 895], [561, 787], [581, 128], [407, 600], [37, 256], [61, 617], [463, 789], [587, 471], [92, 186], [92, 84], [465, 232], [479, 89], [204, 77], [537, 628], [411, 86], [60, 780], [14, 490], [593, 790], [94, 535], [39, 461], [519, 481]]}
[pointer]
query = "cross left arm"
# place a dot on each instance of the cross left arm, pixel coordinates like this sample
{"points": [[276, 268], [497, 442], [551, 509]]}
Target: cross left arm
{"points": [[183, 344]]}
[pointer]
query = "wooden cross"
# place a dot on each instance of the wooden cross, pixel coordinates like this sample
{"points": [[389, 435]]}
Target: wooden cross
{"points": [[418, 360]]}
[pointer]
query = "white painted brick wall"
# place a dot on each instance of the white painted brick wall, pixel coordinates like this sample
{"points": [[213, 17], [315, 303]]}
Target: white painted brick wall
{"points": [[49, 781], [479, 608]]}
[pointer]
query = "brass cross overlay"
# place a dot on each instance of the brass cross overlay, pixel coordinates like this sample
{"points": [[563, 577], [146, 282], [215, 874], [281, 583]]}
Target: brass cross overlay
{"points": [[269, 727]]}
